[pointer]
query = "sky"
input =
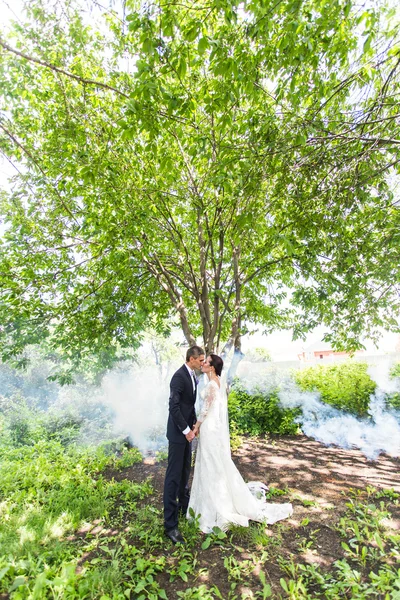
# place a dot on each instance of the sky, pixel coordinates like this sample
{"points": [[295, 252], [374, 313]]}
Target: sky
{"points": [[279, 344], [282, 348]]}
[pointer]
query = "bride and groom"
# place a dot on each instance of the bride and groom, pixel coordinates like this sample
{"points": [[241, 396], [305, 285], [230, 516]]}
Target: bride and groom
{"points": [[219, 495]]}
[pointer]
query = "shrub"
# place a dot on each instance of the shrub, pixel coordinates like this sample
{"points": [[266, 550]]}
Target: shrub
{"points": [[20, 432], [129, 457], [20, 420], [61, 427], [260, 412], [393, 400], [395, 370], [346, 386]]}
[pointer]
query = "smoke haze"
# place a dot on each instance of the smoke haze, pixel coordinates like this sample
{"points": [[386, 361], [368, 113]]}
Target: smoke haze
{"points": [[132, 401], [378, 433]]}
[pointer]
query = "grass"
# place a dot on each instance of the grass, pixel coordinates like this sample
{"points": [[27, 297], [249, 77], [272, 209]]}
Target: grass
{"points": [[70, 530]]}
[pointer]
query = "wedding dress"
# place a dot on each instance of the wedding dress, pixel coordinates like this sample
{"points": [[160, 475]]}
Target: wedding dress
{"points": [[219, 495]]}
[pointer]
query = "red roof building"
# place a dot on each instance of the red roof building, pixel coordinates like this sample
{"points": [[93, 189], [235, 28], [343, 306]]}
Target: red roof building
{"points": [[321, 351]]}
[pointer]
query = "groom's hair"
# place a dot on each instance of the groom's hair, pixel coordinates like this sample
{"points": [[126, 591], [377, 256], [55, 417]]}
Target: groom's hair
{"points": [[194, 351]]}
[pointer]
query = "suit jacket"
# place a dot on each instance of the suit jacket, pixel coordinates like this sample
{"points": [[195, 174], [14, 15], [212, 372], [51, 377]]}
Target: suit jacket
{"points": [[182, 399]]}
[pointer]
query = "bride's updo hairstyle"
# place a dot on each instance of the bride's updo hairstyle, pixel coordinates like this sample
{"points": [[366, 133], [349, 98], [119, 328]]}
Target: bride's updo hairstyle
{"points": [[217, 363]]}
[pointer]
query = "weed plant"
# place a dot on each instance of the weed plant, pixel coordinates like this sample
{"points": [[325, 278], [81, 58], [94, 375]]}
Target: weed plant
{"points": [[69, 530]]}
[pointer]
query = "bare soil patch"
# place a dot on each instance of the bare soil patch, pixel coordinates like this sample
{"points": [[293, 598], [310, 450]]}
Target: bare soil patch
{"points": [[317, 480]]}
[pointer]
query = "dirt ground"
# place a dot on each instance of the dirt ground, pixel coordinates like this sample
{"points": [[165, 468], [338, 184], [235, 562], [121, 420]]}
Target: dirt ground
{"points": [[317, 479], [309, 469]]}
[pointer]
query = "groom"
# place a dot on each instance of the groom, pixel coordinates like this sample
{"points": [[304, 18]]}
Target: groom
{"points": [[181, 419]]}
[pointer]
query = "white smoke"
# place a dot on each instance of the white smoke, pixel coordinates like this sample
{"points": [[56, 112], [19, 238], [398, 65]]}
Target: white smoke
{"points": [[132, 401], [380, 373], [378, 433], [139, 402]]}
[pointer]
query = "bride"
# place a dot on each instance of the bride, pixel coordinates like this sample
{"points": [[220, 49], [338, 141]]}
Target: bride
{"points": [[219, 496]]}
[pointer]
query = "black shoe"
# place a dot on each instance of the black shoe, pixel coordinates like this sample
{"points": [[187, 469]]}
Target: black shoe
{"points": [[175, 536]]}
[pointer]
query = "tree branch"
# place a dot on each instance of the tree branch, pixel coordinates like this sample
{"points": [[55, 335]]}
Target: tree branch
{"points": [[48, 65]]}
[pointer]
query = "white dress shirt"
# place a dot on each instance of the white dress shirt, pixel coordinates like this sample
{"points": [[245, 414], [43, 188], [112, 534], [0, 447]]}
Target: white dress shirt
{"points": [[192, 376]]}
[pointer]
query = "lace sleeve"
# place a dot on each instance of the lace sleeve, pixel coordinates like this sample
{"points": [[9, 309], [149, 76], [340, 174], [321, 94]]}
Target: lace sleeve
{"points": [[209, 397]]}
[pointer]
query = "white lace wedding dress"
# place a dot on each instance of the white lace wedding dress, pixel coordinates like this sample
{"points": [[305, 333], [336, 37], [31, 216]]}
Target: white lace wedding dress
{"points": [[219, 495]]}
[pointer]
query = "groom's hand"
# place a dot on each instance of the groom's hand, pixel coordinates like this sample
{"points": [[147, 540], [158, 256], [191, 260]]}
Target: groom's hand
{"points": [[189, 436]]}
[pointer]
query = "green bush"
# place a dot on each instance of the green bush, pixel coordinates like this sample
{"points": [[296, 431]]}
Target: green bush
{"points": [[393, 400], [20, 432], [26, 423], [128, 458], [260, 413], [61, 427], [346, 386], [395, 370]]}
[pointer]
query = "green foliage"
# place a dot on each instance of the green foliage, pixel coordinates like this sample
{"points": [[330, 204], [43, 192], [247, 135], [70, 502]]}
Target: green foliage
{"points": [[185, 567], [393, 399], [161, 455], [50, 493], [369, 567], [260, 413], [169, 191], [274, 492], [200, 593], [258, 355], [129, 457], [346, 386], [19, 430], [215, 538], [52, 496], [395, 370], [70, 530], [26, 423], [234, 435]]}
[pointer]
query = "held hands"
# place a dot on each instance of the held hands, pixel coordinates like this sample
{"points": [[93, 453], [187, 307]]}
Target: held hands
{"points": [[190, 436], [196, 428], [194, 433]]}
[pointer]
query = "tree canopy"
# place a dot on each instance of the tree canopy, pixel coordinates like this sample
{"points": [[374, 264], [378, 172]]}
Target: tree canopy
{"points": [[214, 163]]}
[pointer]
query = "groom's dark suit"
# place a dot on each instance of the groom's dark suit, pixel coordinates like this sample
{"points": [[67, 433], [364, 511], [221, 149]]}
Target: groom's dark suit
{"points": [[181, 415]]}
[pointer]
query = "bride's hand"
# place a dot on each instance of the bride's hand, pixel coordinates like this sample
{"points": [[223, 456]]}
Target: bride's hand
{"points": [[196, 429]]}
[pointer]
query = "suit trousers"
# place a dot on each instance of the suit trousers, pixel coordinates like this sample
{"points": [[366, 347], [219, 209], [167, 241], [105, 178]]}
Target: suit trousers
{"points": [[176, 486]]}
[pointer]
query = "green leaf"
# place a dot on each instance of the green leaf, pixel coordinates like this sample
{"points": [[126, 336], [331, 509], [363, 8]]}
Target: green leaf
{"points": [[18, 581], [181, 69], [202, 45], [192, 33], [300, 139], [4, 571], [147, 46], [284, 584], [118, 171], [367, 43], [206, 543]]}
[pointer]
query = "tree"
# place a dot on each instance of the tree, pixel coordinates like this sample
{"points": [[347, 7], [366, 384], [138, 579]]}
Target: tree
{"points": [[224, 162]]}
